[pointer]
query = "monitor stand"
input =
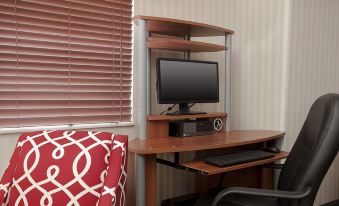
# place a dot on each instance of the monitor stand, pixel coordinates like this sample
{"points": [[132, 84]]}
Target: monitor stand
{"points": [[185, 110]]}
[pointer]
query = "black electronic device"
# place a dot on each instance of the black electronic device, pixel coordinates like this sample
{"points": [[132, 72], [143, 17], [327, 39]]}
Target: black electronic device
{"points": [[187, 81], [187, 128], [238, 158]]}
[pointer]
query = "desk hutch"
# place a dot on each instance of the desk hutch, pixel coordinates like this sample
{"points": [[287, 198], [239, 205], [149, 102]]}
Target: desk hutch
{"points": [[175, 35]]}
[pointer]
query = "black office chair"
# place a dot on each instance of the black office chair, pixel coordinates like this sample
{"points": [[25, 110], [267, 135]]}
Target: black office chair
{"points": [[301, 175]]}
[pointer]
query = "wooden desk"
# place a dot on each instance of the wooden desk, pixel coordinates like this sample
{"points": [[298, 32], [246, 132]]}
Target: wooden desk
{"points": [[173, 35], [151, 146], [186, 144]]}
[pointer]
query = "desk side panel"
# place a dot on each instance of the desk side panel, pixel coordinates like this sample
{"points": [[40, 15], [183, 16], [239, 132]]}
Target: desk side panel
{"points": [[130, 196], [156, 129], [151, 180]]}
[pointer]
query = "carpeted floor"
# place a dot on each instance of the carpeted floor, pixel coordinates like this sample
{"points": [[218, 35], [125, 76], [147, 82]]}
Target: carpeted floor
{"points": [[334, 203]]}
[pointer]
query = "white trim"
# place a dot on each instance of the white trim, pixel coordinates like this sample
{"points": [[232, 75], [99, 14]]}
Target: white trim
{"points": [[285, 61], [66, 127]]}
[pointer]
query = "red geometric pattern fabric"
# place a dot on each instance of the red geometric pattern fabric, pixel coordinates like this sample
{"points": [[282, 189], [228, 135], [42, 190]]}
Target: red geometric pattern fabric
{"points": [[65, 168]]}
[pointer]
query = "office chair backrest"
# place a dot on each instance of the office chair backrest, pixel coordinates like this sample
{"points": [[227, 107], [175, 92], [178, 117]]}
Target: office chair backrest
{"points": [[314, 150]]}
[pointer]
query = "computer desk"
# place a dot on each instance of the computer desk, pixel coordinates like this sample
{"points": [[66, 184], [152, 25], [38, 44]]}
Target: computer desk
{"points": [[203, 145]]}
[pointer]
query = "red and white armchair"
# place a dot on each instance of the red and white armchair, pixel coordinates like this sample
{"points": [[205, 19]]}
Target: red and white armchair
{"points": [[66, 168]]}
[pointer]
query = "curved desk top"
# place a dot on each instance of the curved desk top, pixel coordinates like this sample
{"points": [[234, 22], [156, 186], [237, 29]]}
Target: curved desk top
{"points": [[216, 140]]}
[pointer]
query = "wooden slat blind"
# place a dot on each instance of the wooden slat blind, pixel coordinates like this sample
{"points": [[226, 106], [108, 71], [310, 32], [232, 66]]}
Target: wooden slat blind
{"points": [[65, 62]]}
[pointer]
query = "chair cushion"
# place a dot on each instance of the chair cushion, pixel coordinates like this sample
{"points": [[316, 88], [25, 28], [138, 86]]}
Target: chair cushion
{"points": [[60, 168], [235, 200]]}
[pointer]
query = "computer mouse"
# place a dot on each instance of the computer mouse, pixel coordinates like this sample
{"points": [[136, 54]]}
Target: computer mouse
{"points": [[273, 150]]}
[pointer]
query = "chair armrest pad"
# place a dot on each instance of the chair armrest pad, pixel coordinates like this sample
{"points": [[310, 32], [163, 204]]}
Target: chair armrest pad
{"points": [[262, 192]]}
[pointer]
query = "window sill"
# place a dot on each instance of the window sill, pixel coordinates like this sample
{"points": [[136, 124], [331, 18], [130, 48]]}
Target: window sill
{"points": [[66, 127]]}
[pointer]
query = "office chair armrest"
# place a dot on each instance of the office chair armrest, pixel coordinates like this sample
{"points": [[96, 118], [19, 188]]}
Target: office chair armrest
{"points": [[262, 192], [273, 166]]}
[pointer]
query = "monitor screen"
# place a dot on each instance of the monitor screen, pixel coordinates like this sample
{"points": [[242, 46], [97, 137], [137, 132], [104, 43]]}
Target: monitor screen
{"points": [[185, 81]]}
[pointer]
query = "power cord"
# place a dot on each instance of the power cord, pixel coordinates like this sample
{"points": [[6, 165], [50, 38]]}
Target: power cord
{"points": [[171, 107], [168, 109]]}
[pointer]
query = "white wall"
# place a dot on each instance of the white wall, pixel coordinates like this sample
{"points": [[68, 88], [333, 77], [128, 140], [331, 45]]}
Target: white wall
{"points": [[7, 146]]}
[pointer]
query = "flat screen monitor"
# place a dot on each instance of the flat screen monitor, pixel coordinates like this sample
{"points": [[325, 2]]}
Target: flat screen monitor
{"points": [[187, 81]]}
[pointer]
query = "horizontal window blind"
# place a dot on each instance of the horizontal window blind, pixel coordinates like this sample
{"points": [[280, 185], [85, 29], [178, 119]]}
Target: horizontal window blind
{"points": [[65, 62]]}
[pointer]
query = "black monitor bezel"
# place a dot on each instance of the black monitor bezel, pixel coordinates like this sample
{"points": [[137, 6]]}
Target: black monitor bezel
{"points": [[158, 83]]}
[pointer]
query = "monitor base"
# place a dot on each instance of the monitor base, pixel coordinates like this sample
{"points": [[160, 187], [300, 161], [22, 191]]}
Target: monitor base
{"points": [[177, 113], [184, 109]]}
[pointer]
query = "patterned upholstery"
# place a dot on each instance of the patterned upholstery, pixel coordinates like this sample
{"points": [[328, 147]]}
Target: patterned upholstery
{"points": [[66, 168]]}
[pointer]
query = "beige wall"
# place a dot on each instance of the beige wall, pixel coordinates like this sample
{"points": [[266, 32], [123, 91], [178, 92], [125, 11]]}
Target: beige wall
{"points": [[257, 52], [271, 90], [313, 70]]}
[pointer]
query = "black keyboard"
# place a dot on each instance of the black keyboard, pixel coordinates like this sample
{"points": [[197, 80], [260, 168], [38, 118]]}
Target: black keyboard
{"points": [[238, 158]]}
